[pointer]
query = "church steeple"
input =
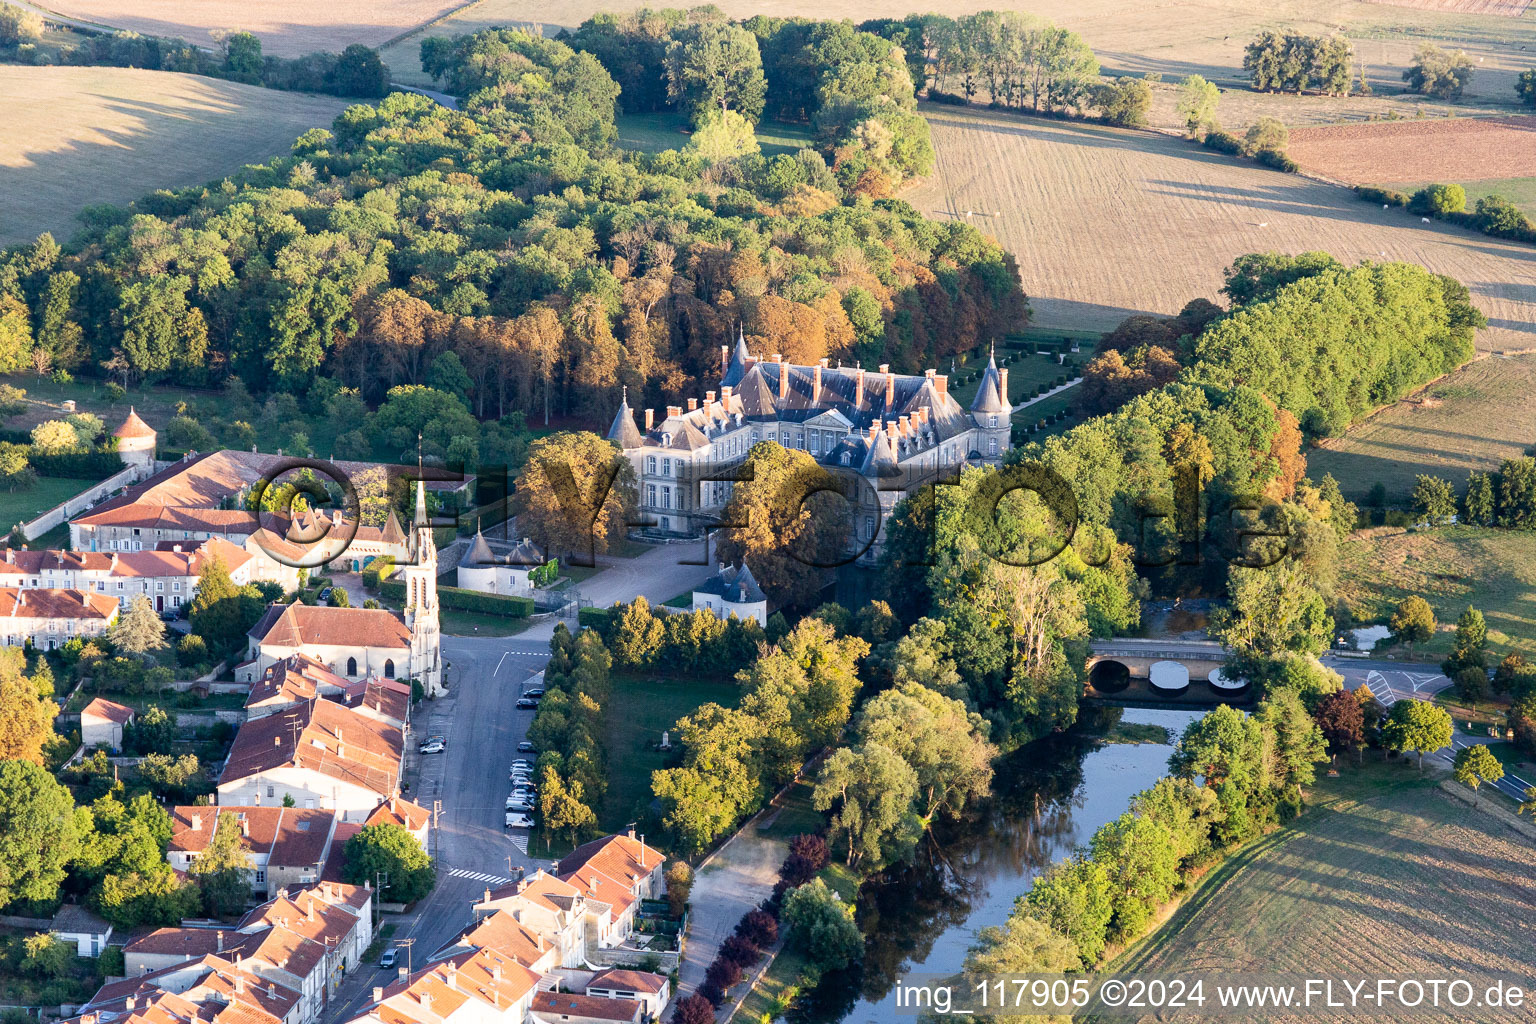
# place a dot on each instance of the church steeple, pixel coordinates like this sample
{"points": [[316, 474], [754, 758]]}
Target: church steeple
{"points": [[421, 608]]}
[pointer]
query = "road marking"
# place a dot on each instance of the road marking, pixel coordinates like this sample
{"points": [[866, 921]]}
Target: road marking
{"points": [[519, 839], [497, 670], [480, 876]]}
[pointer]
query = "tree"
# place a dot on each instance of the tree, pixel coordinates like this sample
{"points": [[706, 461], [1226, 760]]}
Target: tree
{"points": [[1476, 765], [723, 135], [242, 57], [716, 64], [1267, 135], [38, 834], [1434, 500], [18, 25], [26, 717], [1273, 610], [1197, 103], [1478, 506], [139, 631], [1021, 945], [1470, 648], [1124, 102], [359, 72], [1435, 72], [1142, 862], [561, 806], [1525, 87], [872, 789], [1418, 726], [1529, 803], [821, 925], [679, 887], [390, 853], [219, 613], [223, 871], [943, 744], [1413, 621], [55, 437], [45, 956], [1438, 200], [576, 495], [694, 1010], [1342, 720], [15, 470], [1298, 742], [153, 732], [1075, 899]]}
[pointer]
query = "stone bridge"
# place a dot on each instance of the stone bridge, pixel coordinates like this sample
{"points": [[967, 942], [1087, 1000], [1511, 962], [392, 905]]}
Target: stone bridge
{"points": [[1112, 663]]}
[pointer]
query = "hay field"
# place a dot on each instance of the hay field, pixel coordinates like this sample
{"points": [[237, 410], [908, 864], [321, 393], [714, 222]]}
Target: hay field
{"points": [[77, 136], [1384, 876], [287, 28], [1174, 37], [1107, 222], [1473, 419], [1460, 149], [1451, 567]]}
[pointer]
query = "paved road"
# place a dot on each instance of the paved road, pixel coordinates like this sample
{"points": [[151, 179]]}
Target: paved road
{"points": [[1392, 681], [738, 877]]}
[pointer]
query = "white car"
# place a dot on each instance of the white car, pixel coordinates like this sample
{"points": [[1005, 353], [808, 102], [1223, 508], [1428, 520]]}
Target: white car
{"points": [[519, 805], [522, 763], [435, 745], [516, 819]]}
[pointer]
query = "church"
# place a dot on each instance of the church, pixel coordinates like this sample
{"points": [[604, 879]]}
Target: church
{"points": [[363, 643]]}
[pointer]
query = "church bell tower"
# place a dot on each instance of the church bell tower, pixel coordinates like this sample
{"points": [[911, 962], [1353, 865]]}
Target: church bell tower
{"points": [[421, 610]]}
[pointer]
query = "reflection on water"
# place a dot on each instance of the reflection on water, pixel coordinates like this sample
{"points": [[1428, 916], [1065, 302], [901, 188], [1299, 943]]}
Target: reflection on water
{"points": [[1047, 799]]}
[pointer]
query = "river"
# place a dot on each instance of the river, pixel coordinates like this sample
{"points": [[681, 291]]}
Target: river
{"points": [[1048, 799]]}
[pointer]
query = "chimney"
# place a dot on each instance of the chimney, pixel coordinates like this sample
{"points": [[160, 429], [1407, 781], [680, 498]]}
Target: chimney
{"points": [[775, 358], [245, 826], [725, 359], [874, 431], [858, 387], [130, 1003], [816, 381], [220, 947], [271, 991], [674, 410], [378, 993], [709, 399], [890, 389], [277, 741], [496, 972], [783, 380], [650, 414], [487, 896], [402, 974], [725, 392], [693, 404], [941, 382], [903, 425], [426, 1001], [239, 985], [197, 823], [1002, 383], [309, 914], [452, 975]]}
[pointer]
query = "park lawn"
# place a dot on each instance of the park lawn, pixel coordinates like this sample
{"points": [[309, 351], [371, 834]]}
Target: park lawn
{"points": [[457, 623], [1383, 874], [19, 506], [640, 707], [795, 816], [1450, 567], [780, 984], [667, 129], [1026, 371]]}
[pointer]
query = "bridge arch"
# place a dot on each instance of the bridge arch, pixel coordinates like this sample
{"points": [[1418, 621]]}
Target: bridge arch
{"points": [[1109, 676]]}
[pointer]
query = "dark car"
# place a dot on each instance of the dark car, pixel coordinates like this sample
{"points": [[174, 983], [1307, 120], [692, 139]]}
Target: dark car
{"points": [[525, 747], [536, 691], [170, 615], [527, 703]]}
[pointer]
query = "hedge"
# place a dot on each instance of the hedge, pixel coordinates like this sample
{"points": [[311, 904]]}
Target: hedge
{"points": [[459, 599], [98, 464], [1222, 142], [1276, 159], [1385, 196], [597, 618]]}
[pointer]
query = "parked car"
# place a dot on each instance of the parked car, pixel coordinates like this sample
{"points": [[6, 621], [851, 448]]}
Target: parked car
{"points": [[516, 819], [527, 703], [170, 615], [389, 957], [433, 745], [522, 763], [324, 596], [521, 806], [526, 747], [534, 691]]}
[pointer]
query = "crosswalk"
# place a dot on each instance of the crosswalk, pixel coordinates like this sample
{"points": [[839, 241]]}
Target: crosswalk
{"points": [[482, 876], [519, 838]]}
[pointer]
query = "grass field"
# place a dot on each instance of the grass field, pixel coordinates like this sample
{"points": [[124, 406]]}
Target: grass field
{"points": [[652, 133], [639, 708], [1520, 191], [1473, 419], [20, 506], [1450, 567], [1106, 222], [1382, 876], [287, 28], [79, 136], [1175, 39]]}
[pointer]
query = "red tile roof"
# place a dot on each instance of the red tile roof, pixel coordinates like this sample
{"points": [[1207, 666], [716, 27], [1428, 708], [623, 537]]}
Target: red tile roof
{"points": [[107, 710], [400, 811], [295, 678], [319, 736], [133, 427], [55, 604], [298, 625], [570, 1004], [628, 981]]}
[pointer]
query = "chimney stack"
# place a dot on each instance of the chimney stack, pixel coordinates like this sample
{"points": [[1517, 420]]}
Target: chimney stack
{"points": [[378, 993], [650, 414], [725, 359], [941, 383], [1002, 384], [858, 387], [816, 381], [776, 358], [674, 410], [783, 380], [220, 947], [402, 973], [890, 389], [693, 404], [197, 823], [725, 392]]}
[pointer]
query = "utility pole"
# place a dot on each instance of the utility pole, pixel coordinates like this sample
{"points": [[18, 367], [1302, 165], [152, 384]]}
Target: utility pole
{"points": [[378, 894], [437, 808], [407, 943]]}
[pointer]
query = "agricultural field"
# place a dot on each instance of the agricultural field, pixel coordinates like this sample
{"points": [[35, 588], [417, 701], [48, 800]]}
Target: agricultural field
{"points": [[1202, 36], [77, 136], [1473, 419], [1107, 222], [287, 28], [1448, 149], [1450, 567], [20, 505], [1383, 876]]}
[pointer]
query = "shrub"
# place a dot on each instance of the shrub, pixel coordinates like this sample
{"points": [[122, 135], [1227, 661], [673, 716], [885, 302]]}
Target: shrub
{"points": [[723, 973], [740, 951], [696, 1009], [1276, 159], [594, 617], [759, 928], [714, 994], [468, 600], [1438, 200], [1223, 142]]}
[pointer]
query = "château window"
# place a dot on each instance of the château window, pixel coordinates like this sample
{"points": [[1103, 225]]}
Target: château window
{"points": [[992, 446], [650, 495], [650, 464]]}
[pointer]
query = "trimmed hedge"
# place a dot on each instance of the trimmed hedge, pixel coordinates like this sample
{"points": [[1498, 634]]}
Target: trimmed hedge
{"points": [[597, 618], [459, 599], [1385, 196]]}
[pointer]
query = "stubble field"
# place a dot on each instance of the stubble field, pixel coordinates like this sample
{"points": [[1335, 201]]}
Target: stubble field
{"points": [[287, 28], [1106, 222], [1471, 420], [1383, 877], [1458, 149], [77, 136]]}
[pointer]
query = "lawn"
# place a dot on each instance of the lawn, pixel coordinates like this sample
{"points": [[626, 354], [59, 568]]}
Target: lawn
{"points": [[795, 815], [639, 708], [1472, 419], [83, 135], [1383, 875], [1026, 371], [1520, 191], [652, 133], [1451, 567], [21, 505], [457, 623]]}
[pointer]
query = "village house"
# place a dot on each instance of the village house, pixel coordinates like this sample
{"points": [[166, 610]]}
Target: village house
{"points": [[651, 991], [167, 577], [318, 752], [49, 619], [556, 1007], [209, 989], [616, 872], [548, 907], [299, 678], [287, 845], [102, 722], [82, 929], [483, 570], [480, 987]]}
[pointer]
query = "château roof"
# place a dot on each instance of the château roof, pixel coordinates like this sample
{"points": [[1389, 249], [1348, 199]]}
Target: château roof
{"points": [[989, 397], [735, 586], [623, 429], [133, 427]]}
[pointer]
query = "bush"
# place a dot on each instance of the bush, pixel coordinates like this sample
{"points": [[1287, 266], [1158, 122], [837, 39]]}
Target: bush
{"points": [[597, 618], [463, 600], [1438, 200], [740, 951], [759, 928], [713, 993], [723, 973], [378, 569], [1276, 159], [1385, 196], [1223, 142]]}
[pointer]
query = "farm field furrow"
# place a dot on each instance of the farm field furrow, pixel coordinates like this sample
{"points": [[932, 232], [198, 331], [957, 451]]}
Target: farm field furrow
{"points": [[287, 28], [77, 136], [1107, 222]]}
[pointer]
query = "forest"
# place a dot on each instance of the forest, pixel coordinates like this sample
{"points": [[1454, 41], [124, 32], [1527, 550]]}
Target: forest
{"points": [[507, 248]]}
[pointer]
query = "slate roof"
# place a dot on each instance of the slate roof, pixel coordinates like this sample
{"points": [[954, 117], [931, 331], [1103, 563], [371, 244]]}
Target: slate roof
{"points": [[735, 586]]}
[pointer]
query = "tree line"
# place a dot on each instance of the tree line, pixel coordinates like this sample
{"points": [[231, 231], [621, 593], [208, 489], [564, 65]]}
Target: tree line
{"points": [[357, 71]]}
